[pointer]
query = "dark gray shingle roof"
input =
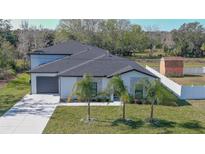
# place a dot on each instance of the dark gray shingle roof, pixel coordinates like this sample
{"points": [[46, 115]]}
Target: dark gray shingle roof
{"points": [[107, 66], [69, 61], [66, 48], [94, 61]]}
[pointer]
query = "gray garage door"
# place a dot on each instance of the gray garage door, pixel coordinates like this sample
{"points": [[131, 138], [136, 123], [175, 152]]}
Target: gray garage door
{"points": [[47, 85]]}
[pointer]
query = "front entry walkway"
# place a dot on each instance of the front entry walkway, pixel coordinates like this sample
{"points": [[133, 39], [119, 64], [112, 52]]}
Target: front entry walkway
{"points": [[116, 103], [30, 115]]}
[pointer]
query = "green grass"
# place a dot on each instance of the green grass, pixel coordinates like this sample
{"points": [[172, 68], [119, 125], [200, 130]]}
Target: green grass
{"points": [[184, 119], [190, 80], [13, 91], [170, 118]]}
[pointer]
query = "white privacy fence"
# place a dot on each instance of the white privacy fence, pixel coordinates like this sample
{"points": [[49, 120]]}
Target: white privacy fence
{"points": [[193, 92], [173, 86], [183, 92], [189, 70], [194, 71]]}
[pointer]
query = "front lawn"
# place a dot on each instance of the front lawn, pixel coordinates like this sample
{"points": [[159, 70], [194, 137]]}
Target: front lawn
{"points": [[183, 119], [13, 92]]}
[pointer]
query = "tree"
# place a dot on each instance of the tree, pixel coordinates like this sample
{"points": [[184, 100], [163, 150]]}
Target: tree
{"points": [[83, 91], [6, 53], [7, 59], [134, 40], [30, 38], [117, 36], [189, 39], [82, 30], [154, 38], [153, 96], [203, 48], [125, 98], [6, 33], [116, 86], [151, 93]]}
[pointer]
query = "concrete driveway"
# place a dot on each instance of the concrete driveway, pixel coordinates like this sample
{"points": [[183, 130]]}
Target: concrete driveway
{"points": [[30, 115]]}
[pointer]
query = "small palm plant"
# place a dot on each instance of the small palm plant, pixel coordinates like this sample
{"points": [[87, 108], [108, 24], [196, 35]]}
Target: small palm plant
{"points": [[150, 93], [83, 90], [125, 98], [116, 86], [153, 96]]}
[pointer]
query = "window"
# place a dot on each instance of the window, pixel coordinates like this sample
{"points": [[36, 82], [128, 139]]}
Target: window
{"points": [[139, 93], [116, 97], [94, 89]]}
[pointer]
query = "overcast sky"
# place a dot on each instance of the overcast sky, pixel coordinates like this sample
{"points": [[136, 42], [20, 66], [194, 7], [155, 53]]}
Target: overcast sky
{"points": [[160, 24]]}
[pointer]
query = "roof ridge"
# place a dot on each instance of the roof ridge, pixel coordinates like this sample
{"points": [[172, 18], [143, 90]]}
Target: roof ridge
{"points": [[81, 64]]}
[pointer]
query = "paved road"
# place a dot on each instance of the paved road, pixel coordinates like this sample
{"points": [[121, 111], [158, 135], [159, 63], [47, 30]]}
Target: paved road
{"points": [[29, 116]]}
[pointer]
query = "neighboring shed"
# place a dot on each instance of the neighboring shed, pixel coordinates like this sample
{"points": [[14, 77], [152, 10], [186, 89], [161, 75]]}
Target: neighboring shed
{"points": [[171, 66]]}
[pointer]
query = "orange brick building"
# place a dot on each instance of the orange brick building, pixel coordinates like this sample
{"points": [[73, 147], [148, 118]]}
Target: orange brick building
{"points": [[171, 66]]}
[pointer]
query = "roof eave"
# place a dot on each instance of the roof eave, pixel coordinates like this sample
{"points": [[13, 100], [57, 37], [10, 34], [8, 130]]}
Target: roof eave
{"points": [[69, 54], [109, 76], [40, 72]]}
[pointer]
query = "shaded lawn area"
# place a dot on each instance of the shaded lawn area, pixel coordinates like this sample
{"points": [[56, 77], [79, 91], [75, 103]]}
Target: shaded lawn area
{"points": [[13, 92], [190, 80], [183, 119]]}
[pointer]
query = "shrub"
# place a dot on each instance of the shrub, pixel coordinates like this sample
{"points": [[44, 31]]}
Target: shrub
{"points": [[6, 73], [131, 99], [166, 96], [100, 98], [21, 65]]}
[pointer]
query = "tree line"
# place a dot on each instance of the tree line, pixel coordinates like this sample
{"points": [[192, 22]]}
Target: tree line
{"points": [[126, 39], [16, 44], [120, 37]]}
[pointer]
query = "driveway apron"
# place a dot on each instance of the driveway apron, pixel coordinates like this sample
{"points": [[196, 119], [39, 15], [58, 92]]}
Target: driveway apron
{"points": [[30, 115]]}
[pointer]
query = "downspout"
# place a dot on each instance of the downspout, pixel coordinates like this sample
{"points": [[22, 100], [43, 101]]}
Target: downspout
{"points": [[30, 76]]}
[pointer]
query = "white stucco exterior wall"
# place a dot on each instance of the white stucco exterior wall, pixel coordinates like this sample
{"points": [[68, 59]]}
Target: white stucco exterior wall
{"points": [[66, 86], [67, 83], [33, 80], [135, 76], [104, 83], [37, 60]]}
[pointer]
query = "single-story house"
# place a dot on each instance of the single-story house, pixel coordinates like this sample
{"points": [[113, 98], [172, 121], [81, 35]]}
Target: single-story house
{"points": [[57, 68]]}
